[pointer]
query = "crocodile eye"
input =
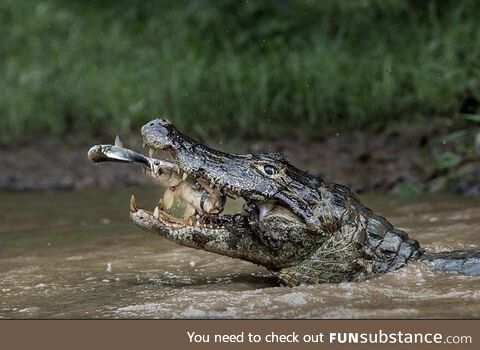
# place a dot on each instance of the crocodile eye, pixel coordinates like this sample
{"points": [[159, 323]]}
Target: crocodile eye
{"points": [[269, 170]]}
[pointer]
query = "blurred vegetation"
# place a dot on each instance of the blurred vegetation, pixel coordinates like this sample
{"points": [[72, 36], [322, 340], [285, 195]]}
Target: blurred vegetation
{"points": [[235, 67], [457, 155]]}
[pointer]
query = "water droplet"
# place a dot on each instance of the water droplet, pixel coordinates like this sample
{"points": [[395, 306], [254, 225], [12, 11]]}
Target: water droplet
{"points": [[105, 221]]}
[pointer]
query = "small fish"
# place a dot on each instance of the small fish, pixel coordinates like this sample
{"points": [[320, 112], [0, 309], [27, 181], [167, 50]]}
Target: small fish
{"points": [[111, 153]]}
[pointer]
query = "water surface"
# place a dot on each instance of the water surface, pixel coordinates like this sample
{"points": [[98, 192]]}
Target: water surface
{"points": [[76, 255]]}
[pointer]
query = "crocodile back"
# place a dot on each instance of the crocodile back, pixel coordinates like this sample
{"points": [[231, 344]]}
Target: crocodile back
{"points": [[389, 248]]}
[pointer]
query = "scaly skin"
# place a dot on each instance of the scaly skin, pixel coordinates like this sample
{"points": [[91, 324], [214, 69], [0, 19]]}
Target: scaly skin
{"points": [[301, 228]]}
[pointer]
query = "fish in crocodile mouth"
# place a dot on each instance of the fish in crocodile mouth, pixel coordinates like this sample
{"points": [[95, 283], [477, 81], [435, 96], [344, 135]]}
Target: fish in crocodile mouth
{"points": [[196, 177]]}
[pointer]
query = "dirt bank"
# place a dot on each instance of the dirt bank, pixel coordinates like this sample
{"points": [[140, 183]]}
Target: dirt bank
{"points": [[365, 162]]}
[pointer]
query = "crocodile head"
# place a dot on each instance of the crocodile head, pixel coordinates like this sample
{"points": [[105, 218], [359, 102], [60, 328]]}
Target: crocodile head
{"points": [[301, 228], [264, 180], [277, 225]]}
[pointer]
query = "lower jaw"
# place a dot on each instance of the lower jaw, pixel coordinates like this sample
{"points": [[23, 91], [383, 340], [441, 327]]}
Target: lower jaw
{"points": [[212, 221]]}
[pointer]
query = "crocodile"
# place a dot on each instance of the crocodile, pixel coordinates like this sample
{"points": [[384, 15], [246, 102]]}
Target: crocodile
{"points": [[301, 228]]}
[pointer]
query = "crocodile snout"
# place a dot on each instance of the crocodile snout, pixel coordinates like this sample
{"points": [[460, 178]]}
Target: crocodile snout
{"points": [[155, 125]]}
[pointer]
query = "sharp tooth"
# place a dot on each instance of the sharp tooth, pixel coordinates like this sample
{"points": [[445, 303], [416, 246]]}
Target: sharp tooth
{"points": [[174, 181], [151, 152], [168, 198], [189, 211], [155, 213], [184, 176], [118, 142], [263, 210], [133, 204], [160, 203], [144, 144]]}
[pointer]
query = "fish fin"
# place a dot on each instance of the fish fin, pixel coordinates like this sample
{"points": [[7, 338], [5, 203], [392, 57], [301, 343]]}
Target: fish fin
{"points": [[118, 142]]}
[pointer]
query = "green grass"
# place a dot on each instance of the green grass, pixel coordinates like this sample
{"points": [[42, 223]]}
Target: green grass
{"points": [[233, 68]]}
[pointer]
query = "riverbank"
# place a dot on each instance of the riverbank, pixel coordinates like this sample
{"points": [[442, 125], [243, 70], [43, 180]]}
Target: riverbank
{"points": [[400, 161]]}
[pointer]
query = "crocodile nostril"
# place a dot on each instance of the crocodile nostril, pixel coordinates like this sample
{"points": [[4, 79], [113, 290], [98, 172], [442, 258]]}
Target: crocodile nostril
{"points": [[152, 124]]}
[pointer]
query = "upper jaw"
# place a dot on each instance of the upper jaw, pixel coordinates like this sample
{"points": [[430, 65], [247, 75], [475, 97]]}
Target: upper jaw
{"points": [[183, 156], [255, 209], [161, 135]]}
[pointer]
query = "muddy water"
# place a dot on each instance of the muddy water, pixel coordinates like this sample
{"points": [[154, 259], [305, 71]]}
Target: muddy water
{"points": [[76, 255]]}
